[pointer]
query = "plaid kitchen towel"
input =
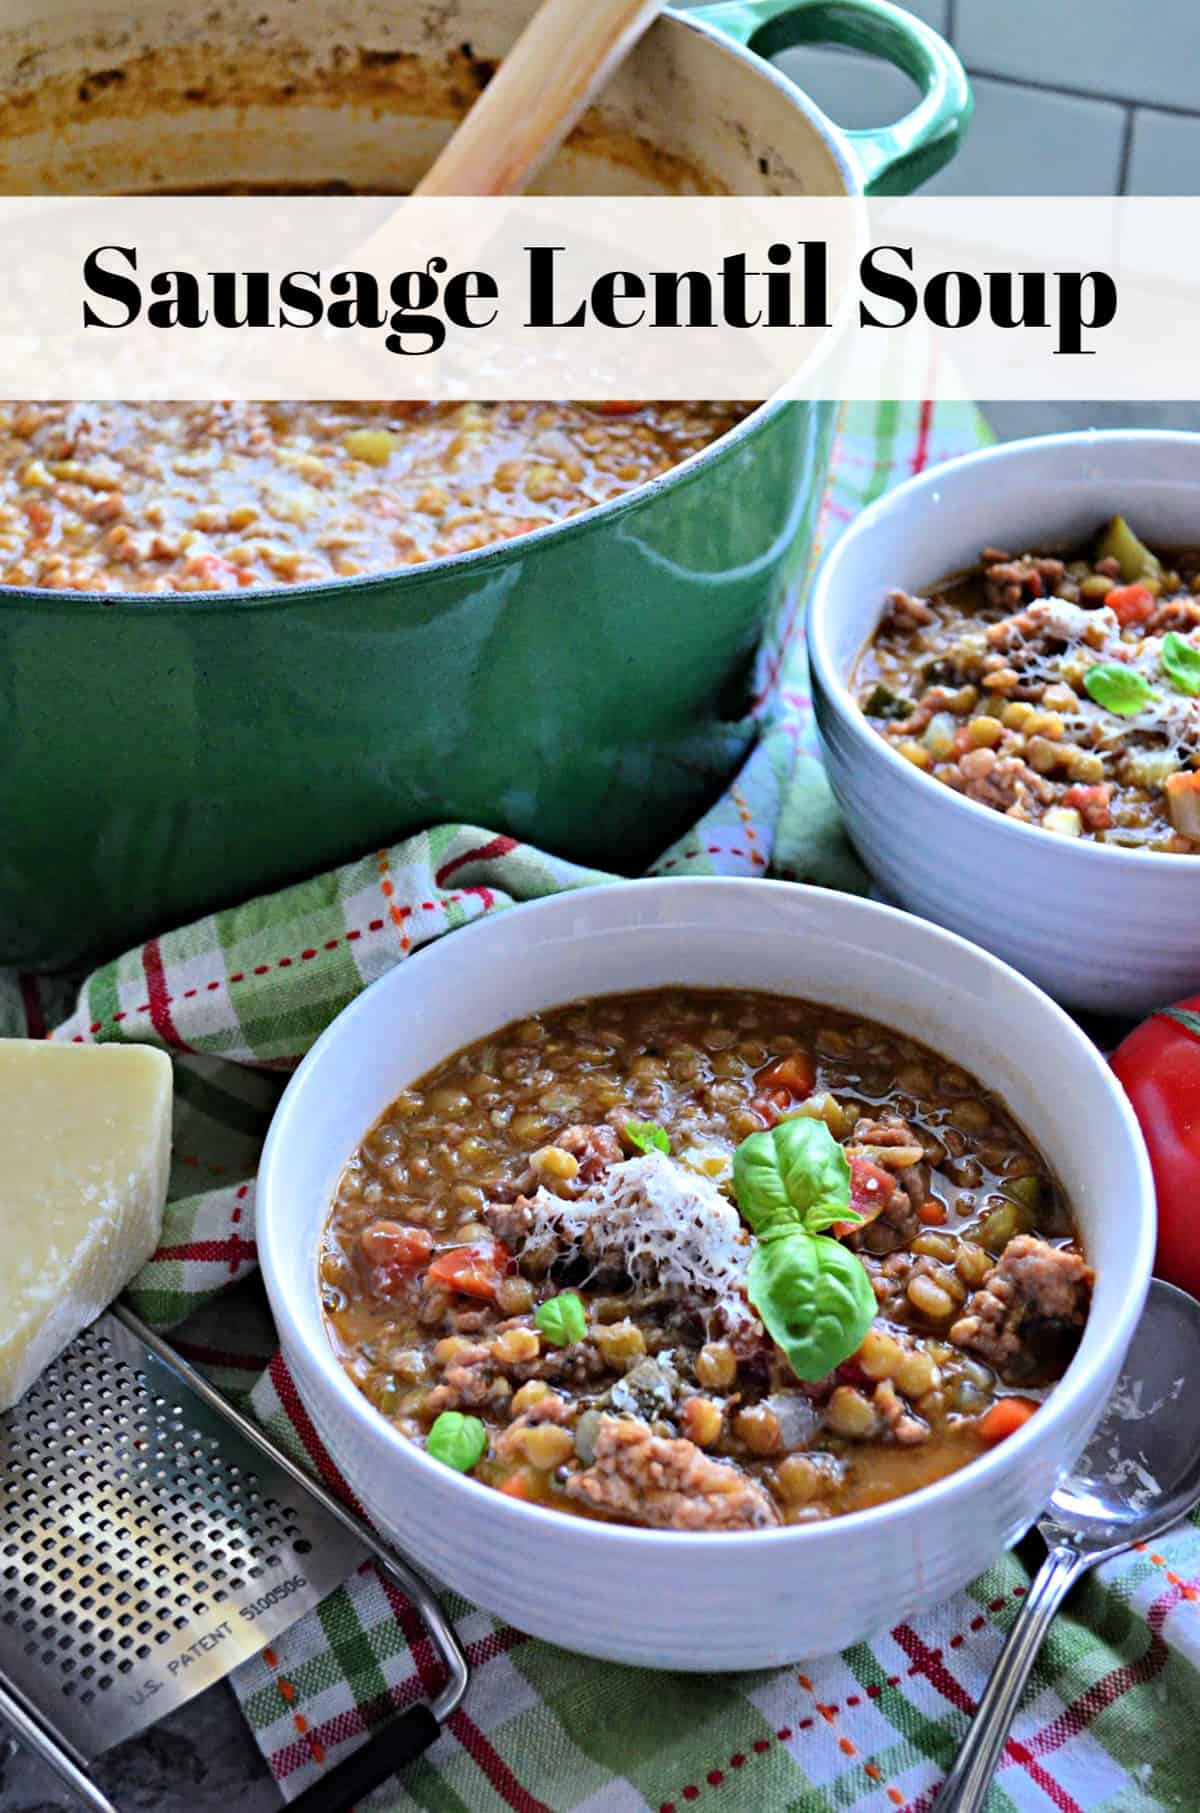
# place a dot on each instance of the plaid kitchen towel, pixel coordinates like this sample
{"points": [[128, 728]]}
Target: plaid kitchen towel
{"points": [[237, 999]]}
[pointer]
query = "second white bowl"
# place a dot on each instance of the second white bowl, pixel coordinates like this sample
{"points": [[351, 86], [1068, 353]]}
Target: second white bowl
{"points": [[693, 1601], [1100, 927]]}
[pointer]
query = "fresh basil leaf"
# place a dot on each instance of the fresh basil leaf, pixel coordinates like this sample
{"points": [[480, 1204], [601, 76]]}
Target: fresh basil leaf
{"points": [[647, 1136], [815, 1300], [562, 1319], [795, 1175], [1181, 664], [1120, 689], [456, 1440]]}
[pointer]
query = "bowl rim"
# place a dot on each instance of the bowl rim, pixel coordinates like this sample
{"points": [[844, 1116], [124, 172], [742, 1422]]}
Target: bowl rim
{"points": [[946, 1492], [834, 687]]}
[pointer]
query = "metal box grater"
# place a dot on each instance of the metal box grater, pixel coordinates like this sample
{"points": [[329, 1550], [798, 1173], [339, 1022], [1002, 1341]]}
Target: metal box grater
{"points": [[150, 1540]]}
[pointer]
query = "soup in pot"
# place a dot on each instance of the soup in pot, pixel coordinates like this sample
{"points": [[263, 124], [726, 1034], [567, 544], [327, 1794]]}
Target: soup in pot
{"points": [[203, 497]]}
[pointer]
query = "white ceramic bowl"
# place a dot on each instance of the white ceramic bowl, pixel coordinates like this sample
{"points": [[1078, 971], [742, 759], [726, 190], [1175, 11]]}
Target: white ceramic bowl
{"points": [[1105, 928], [729, 1601]]}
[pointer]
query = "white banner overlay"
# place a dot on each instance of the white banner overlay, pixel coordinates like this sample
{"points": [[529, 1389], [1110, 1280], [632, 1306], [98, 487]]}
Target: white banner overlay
{"points": [[605, 299]]}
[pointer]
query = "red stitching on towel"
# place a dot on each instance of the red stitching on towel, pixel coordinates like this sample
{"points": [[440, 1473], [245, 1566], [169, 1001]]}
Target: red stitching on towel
{"points": [[161, 1003], [499, 846], [925, 423]]}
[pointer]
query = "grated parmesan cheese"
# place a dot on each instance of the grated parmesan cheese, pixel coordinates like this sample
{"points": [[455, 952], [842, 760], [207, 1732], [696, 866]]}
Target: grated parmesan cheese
{"points": [[668, 1228], [1095, 636]]}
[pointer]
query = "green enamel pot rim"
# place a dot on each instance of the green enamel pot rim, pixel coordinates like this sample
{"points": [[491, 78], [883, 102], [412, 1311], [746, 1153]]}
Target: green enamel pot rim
{"points": [[860, 156], [260, 598], [496, 553]]}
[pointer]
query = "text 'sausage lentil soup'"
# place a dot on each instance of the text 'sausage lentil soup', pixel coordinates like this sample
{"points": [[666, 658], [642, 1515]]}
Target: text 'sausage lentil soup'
{"points": [[702, 1260]]}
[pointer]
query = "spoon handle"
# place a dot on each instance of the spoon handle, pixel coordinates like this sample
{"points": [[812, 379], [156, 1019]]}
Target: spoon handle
{"points": [[965, 1789]]}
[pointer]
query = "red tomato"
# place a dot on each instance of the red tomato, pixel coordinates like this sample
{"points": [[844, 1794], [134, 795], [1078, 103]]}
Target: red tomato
{"points": [[474, 1270], [1159, 1067]]}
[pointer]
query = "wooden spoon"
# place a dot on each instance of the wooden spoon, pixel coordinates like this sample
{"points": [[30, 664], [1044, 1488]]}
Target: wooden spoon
{"points": [[565, 54]]}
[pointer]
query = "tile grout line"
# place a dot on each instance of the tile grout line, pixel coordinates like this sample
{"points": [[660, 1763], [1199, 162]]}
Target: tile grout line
{"points": [[1080, 94], [1126, 158]]}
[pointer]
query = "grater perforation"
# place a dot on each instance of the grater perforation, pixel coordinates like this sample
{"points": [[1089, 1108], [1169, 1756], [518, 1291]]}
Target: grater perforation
{"points": [[151, 1538], [145, 1547]]}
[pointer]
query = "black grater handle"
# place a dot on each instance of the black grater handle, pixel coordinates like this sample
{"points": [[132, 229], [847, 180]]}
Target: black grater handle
{"points": [[401, 1742]]}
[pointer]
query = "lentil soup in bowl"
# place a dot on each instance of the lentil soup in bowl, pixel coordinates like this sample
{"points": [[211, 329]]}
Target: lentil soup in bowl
{"points": [[1003, 680], [737, 1400]]}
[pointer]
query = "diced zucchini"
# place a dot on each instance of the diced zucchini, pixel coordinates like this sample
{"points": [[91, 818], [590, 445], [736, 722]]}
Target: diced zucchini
{"points": [[1118, 542], [940, 734], [1004, 1223], [1028, 1191], [882, 702], [1149, 767], [1064, 820]]}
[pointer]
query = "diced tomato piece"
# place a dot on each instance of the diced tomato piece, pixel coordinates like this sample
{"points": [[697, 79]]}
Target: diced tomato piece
{"points": [[1131, 603], [474, 1270], [871, 1187], [871, 1190], [771, 1105], [1092, 804], [1005, 1417], [393, 1243], [617, 408], [796, 1073]]}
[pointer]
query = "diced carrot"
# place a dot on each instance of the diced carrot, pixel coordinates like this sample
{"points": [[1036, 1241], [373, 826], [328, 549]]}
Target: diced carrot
{"points": [[1005, 1417], [932, 1213], [796, 1073], [1131, 603], [518, 1485], [474, 1270]]}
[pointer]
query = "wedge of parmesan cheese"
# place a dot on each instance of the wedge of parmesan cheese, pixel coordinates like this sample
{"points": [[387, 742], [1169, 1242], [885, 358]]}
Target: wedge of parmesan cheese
{"points": [[85, 1137]]}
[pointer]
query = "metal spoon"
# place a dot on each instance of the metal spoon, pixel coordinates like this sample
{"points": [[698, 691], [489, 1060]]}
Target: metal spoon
{"points": [[1139, 1473]]}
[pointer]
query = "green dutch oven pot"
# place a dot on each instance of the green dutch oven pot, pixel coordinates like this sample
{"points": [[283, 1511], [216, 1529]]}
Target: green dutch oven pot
{"points": [[586, 686]]}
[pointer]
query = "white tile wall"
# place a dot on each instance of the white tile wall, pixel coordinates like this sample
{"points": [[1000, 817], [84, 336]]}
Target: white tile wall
{"points": [[1165, 154], [1073, 97], [1134, 50], [1025, 142]]}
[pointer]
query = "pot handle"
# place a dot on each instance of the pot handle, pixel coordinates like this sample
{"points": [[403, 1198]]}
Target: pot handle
{"points": [[893, 160]]}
